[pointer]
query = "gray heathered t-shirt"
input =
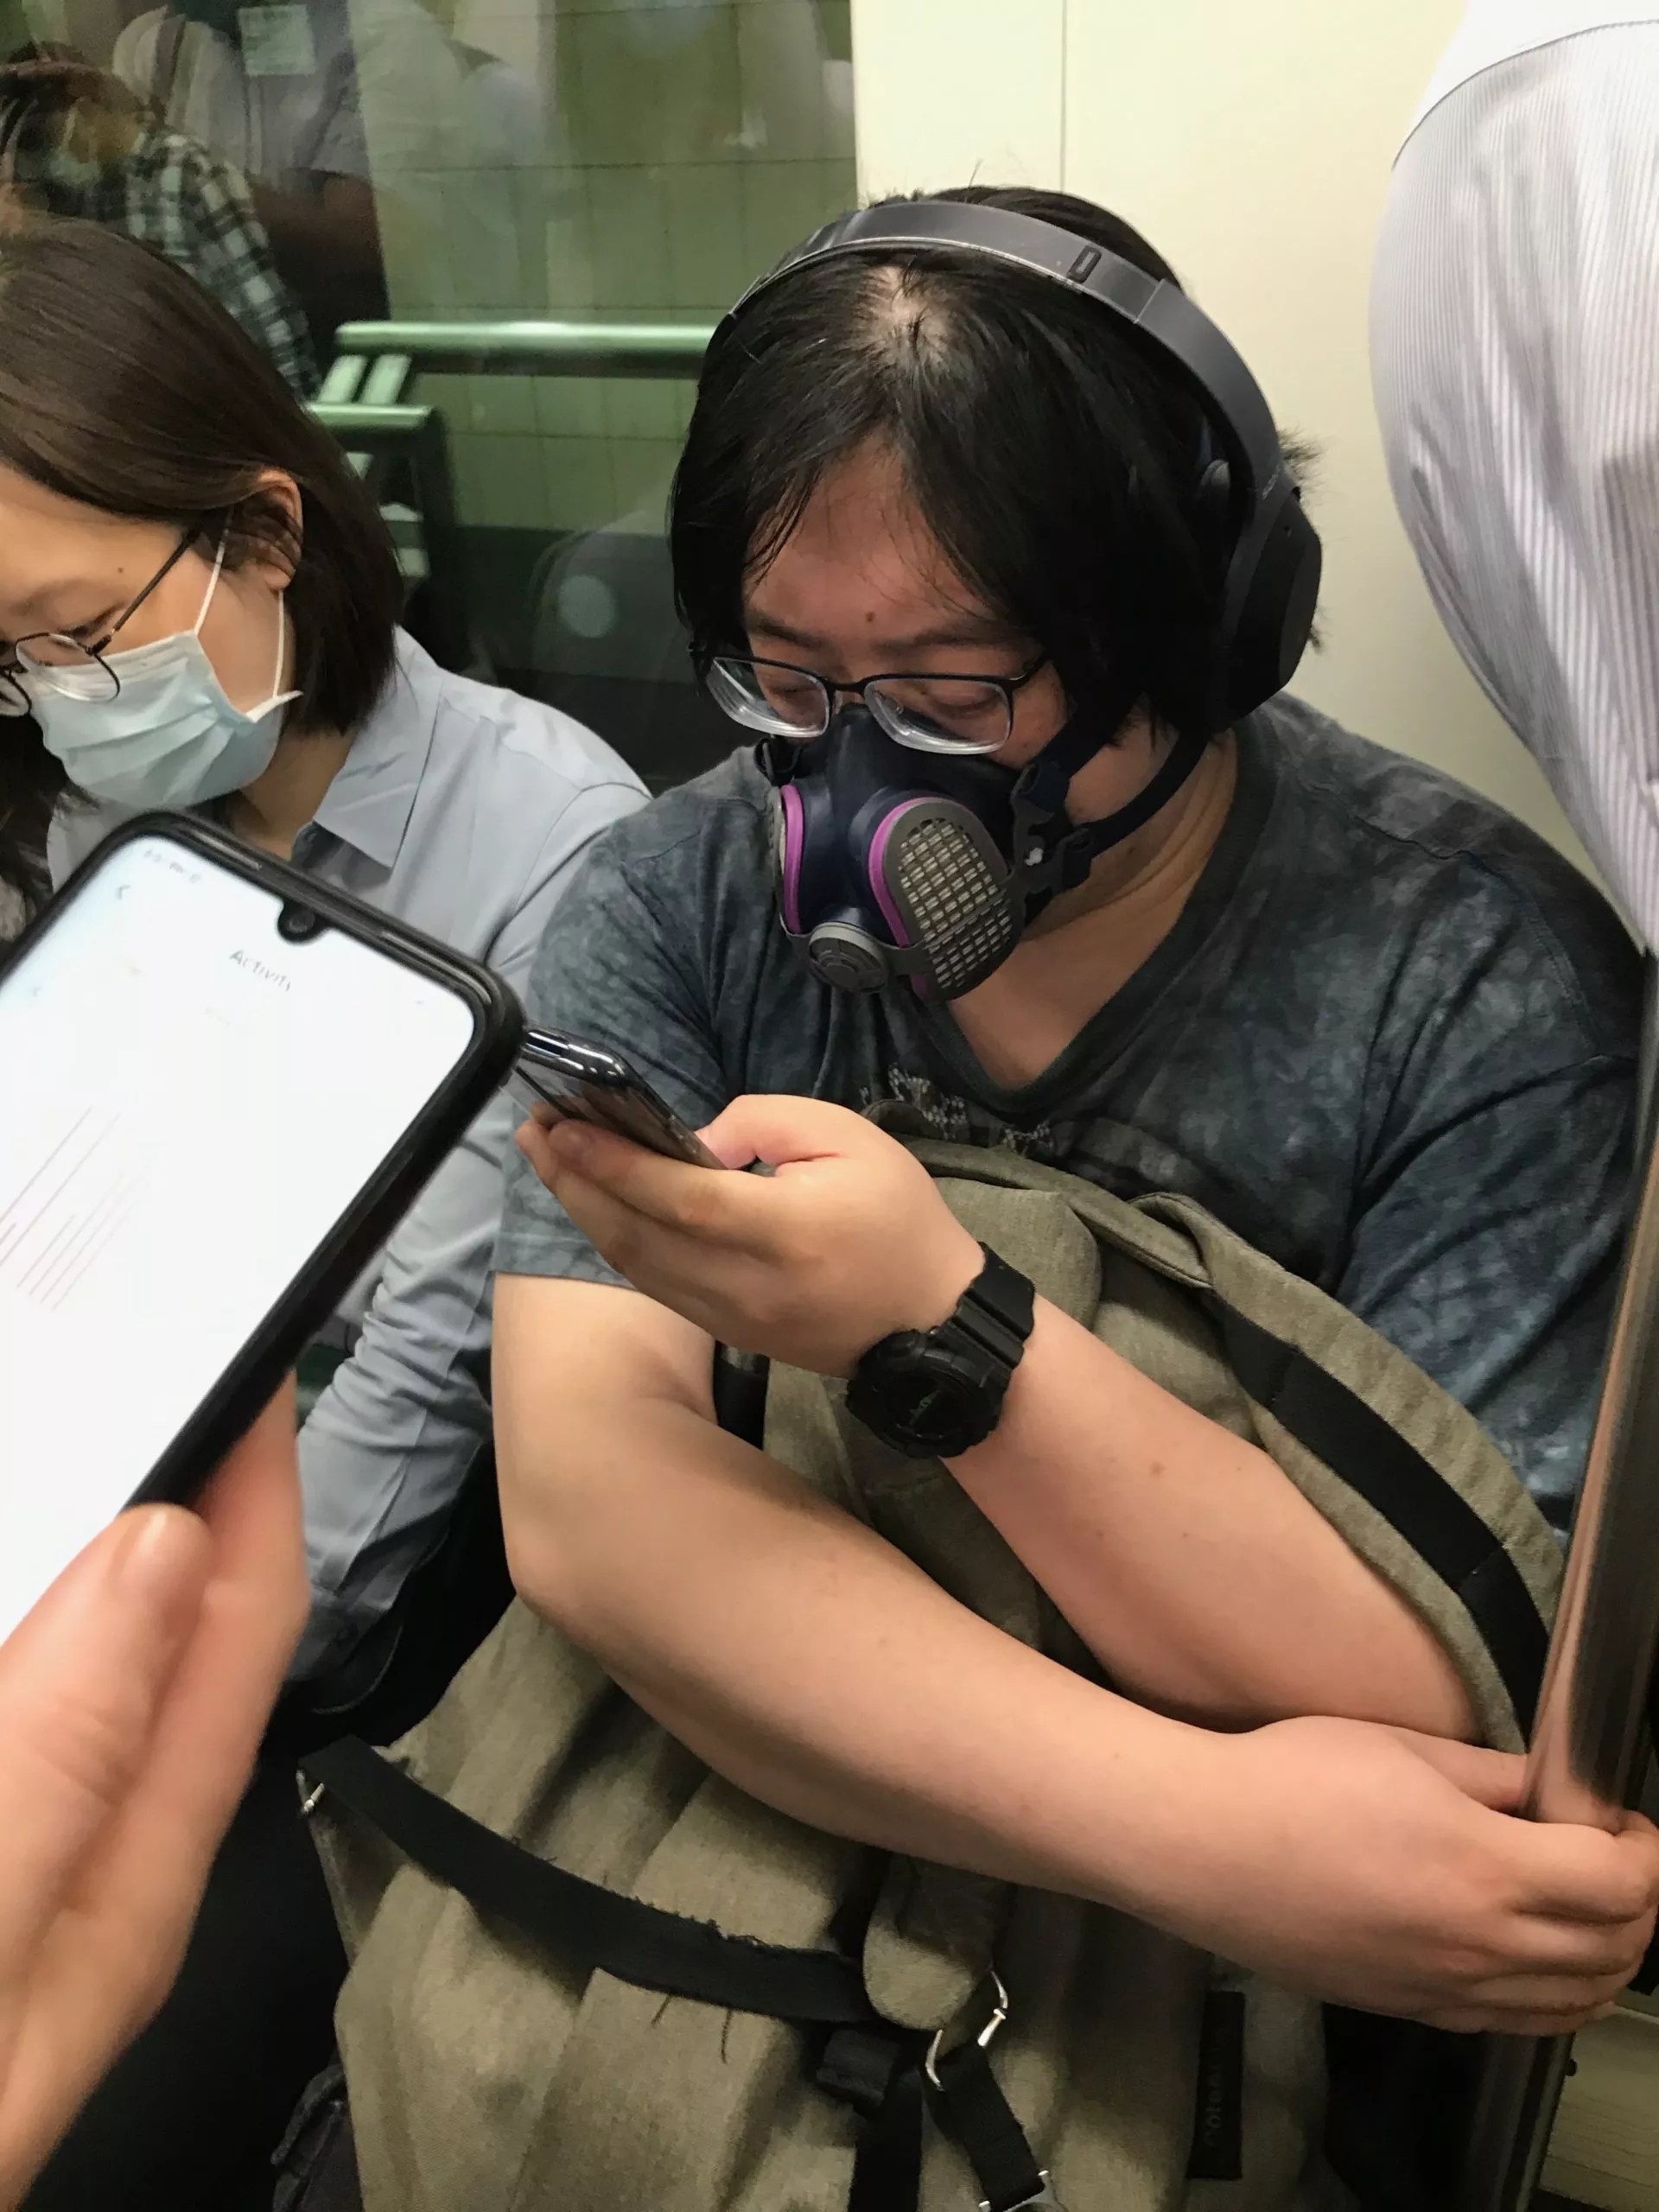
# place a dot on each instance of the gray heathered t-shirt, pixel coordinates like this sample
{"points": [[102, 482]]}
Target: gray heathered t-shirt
{"points": [[1390, 1040]]}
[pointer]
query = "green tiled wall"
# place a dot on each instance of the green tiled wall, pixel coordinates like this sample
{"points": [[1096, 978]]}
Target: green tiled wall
{"points": [[687, 146]]}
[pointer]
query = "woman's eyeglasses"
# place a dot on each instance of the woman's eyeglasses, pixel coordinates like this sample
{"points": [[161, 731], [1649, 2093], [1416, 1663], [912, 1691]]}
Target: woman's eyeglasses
{"points": [[930, 714], [47, 654]]}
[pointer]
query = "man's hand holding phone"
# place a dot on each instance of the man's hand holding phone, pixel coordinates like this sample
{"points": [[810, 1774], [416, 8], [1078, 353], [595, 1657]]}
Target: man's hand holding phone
{"points": [[844, 1241], [133, 1701]]}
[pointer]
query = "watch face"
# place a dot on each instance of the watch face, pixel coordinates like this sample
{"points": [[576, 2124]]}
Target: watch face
{"points": [[931, 1397]]}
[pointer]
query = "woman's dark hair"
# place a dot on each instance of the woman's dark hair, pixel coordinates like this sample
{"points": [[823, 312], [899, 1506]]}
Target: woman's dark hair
{"points": [[1056, 464], [124, 385]]}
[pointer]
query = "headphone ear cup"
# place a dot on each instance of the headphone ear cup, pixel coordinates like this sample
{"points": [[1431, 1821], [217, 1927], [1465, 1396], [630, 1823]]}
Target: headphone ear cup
{"points": [[1215, 502], [1273, 591]]}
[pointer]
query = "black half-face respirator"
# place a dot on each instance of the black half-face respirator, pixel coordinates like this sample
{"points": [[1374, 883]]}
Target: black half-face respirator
{"points": [[892, 862]]}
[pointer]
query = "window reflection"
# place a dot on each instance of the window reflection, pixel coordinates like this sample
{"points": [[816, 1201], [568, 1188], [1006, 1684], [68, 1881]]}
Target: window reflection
{"points": [[464, 162], [273, 89], [77, 143]]}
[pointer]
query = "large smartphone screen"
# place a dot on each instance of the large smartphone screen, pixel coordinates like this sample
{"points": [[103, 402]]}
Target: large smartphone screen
{"points": [[189, 1103]]}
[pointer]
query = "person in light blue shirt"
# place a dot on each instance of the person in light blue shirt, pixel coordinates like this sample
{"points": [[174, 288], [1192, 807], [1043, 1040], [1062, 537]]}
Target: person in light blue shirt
{"points": [[463, 810], [199, 608], [263, 675]]}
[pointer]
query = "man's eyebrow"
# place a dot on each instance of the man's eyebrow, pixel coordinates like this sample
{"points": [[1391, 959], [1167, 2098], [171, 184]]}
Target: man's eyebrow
{"points": [[961, 630]]}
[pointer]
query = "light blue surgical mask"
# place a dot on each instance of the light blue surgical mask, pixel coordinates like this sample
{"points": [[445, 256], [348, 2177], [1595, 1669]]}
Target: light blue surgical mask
{"points": [[169, 737]]}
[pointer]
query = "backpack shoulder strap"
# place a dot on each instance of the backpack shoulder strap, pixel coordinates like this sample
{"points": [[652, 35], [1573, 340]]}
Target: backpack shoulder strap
{"points": [[1385, 1452], [580, 1922], [1404, 1486], [1403, 1453], [885, 2073]]}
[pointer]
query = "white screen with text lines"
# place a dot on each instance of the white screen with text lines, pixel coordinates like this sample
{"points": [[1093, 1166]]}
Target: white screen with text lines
{"points": [[189, 1104]]}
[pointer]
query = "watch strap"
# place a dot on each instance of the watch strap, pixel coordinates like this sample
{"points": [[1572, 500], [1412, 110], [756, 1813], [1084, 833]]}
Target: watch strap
{"points": [[997, 1310], [991, 1323]]}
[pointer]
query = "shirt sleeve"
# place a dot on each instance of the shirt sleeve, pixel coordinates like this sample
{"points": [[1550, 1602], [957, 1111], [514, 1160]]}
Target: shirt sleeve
{"points": [[338, 145], [1496, 1195], [617, 970], [225, 249], [390, 1442], [132, 58], [341, 148], [408, 87]]}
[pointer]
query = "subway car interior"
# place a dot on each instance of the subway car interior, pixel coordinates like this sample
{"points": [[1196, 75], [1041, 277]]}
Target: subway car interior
{"points": [[1381, 1250]]}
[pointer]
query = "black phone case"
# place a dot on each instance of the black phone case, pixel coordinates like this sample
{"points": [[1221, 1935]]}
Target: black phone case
{"points": [[607, 1070], [247, 1384]]}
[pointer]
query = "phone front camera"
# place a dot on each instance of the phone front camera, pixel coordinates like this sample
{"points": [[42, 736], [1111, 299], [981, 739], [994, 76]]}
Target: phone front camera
{"points": [[297, 922]]}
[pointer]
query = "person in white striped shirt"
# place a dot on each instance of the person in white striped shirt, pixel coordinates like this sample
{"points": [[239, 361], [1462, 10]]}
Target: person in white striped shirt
{"points": [[1515, 338]]}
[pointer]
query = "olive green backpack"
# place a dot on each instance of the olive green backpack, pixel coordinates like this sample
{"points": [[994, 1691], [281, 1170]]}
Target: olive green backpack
{"points": [[589, 1975]]}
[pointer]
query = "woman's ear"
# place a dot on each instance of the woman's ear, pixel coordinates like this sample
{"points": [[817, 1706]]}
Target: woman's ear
{"points": [[277, 530]]}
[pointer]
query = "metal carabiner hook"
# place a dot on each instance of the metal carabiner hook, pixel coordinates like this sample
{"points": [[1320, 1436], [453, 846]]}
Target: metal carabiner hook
{"points": [[985, 2038]]}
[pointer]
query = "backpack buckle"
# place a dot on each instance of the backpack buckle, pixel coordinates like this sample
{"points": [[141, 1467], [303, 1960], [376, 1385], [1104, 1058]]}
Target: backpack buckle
{"points": [[971, 2108], [984, 2039], [1044, 2196]]}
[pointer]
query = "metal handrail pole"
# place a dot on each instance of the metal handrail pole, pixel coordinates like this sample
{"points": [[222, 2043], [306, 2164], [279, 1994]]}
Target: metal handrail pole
{"points": [[1587, 1740], [537, 348]]}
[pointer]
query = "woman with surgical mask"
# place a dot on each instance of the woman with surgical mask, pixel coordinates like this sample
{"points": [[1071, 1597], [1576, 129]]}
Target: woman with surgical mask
{"points": [[199, 605], [143, 726]]}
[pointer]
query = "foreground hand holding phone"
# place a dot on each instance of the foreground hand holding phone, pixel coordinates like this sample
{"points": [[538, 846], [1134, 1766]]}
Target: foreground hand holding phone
{"points": [[132, 1700], [191, 1017]]}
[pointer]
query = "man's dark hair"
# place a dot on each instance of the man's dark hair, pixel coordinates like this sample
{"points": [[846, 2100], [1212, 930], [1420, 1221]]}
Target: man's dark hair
{"points": [[1056, 462], [125, 385]]}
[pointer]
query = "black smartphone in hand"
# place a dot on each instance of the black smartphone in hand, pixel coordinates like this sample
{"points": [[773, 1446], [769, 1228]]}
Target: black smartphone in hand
{"points": [[222, 1084], [561, 1078]]}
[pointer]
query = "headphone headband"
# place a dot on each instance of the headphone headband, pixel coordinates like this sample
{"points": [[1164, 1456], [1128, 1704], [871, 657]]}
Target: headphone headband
{"points": [[1171, 326], [1274, 563]]}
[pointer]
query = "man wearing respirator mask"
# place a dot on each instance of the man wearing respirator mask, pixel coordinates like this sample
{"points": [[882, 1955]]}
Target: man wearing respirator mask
{"points": [[985, 533]]}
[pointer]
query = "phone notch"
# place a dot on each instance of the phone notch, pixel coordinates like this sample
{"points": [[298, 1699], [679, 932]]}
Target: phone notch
{"points": [[297, 924]]}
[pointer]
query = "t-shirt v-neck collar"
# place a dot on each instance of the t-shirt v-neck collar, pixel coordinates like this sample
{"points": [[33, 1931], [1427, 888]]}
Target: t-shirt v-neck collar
{"points": [[1108, 1030]]}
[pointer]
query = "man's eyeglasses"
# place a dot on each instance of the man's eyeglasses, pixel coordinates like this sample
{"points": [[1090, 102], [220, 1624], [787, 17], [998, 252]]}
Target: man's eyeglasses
{"points": [[45, 655], [930, 714]]}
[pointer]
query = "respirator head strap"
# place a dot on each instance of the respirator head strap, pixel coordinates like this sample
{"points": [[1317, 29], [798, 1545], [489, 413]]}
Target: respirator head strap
{"points": [[778, 758], [1044, 862]]}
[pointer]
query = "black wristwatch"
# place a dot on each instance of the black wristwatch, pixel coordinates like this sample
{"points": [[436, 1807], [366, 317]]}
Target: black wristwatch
{"points": [[931, 1393]]}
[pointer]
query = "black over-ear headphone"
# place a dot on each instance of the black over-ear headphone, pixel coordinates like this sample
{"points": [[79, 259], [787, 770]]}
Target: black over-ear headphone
{"points": [[1273, 559]]}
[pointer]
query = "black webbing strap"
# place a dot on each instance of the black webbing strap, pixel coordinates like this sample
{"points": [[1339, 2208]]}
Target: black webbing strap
{"points": [[887, 2163], [580, 1922], [878, 2073], [740, 1382], [969, 2106], [888, 2076], [867, 2062], [1373, 1458]]}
